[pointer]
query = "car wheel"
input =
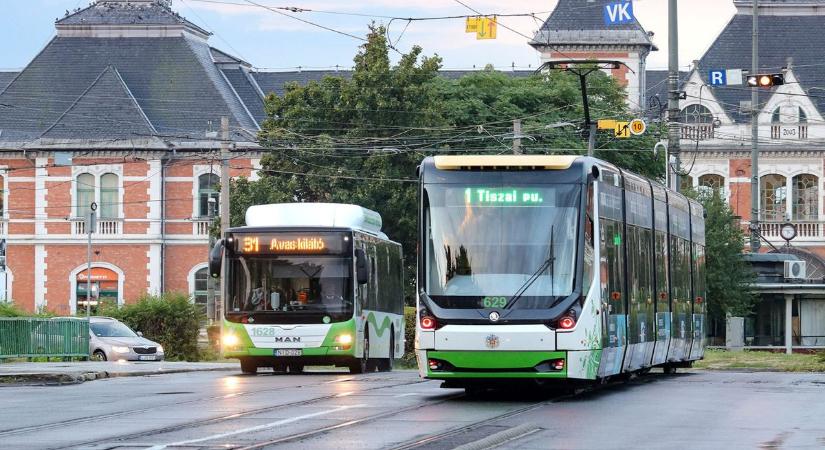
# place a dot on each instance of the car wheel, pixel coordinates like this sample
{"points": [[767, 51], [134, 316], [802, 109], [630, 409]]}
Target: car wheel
{"points": [[249, 366], [99, 355]]}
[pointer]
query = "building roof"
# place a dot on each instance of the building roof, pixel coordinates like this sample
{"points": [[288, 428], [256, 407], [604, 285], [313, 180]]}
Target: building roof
{"points": [[126, 13], [5, 79], [780, 37], [657, 91], [173, 80], [581, 22]]}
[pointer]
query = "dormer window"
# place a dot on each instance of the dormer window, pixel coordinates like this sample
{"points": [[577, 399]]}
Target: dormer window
{"points": [[697, 122]]}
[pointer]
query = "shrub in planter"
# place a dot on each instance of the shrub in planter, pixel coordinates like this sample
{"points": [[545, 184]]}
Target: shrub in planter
{"points": [[170, 319]]}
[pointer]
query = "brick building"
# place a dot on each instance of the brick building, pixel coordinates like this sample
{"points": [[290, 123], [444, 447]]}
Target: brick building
{"points": [[122, 107], [716, 134]]}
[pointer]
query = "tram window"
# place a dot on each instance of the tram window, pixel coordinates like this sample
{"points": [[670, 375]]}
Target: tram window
{"points": [[611, 267], [587, 272], [661, 267]]}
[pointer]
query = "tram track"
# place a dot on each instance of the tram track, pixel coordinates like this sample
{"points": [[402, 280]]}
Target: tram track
{"points": [[121, 440], [94, 418]]}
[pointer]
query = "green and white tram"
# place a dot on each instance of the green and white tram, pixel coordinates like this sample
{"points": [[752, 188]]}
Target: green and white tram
{"points": [[311, 284], [554, 267]]}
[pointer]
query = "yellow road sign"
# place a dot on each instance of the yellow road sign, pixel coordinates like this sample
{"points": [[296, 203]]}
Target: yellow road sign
{"points": [[607, 124], [486, 28], [637, 126], [472, 25], [622, 130]]}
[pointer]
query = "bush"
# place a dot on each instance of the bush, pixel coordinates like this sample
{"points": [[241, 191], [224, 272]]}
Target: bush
{"points": [[9, 310], [170, 319], [409, 335]]}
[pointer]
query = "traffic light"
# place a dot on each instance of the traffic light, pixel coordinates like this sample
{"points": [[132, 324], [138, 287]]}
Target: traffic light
{"points": [[766, 80]]}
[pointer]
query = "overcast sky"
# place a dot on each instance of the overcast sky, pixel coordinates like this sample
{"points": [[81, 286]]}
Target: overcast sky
{"points": [[269, 40]]}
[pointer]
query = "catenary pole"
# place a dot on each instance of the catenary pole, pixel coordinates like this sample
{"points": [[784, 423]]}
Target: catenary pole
{"points": [[754, 227], [224, 203], [674, 127], [517, 136]]}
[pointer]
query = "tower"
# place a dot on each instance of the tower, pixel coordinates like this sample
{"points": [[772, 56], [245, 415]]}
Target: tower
{"points": [[576, 30]]}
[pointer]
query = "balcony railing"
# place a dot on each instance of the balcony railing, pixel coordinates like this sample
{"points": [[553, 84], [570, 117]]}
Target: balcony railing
{"points": [[201, 226], [697, 131], [105, 227], [790, 131], [806, 230]]}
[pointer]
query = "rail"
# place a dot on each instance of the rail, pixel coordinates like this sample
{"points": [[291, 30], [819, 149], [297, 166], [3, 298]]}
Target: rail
{"points": [[104, 226], [698, 132], [27, 337], [201, 226], [806, 230]]}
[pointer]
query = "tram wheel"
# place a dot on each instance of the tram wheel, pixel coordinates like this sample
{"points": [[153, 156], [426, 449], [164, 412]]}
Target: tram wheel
{"points": [[249, 366], [670, 370]]}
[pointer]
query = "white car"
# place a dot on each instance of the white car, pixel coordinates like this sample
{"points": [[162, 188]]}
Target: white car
{"points": [[111, 340]]}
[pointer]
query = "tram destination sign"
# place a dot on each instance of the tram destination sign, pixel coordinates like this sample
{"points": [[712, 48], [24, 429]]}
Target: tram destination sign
{"points": [[289, 243], [499, 196]]}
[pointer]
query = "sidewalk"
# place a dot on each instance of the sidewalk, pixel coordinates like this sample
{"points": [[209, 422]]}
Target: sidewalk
{"points": [[54, 373]]}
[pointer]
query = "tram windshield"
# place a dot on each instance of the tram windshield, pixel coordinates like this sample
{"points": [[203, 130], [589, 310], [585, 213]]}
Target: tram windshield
{"points": [[501, 246], [291, 286]]}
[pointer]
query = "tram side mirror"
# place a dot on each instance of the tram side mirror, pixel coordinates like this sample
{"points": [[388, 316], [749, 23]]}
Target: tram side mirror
{"points": [[362, 271], [216, 259]]}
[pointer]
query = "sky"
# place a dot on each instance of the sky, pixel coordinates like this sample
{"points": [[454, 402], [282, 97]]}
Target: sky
{"points": [[271, 41]]}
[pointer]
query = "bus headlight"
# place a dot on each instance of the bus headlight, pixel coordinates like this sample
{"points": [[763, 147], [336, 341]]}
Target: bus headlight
{"points": [[230, 340], [343, 339]]}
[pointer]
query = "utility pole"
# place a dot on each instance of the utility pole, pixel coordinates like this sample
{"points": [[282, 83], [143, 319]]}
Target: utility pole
{"points": [[673, 128], [210, 281], [591, 126], [224, 203], [91, 224], [754, 227], [517, 136]]}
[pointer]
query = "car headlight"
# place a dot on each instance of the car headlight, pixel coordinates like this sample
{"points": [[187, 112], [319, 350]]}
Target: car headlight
{"points": [[117, 349], [230, 340], [160, 349]]}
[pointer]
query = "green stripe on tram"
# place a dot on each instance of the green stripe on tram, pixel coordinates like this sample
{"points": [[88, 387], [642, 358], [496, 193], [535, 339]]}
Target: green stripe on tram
{"points": [[483, 361]]}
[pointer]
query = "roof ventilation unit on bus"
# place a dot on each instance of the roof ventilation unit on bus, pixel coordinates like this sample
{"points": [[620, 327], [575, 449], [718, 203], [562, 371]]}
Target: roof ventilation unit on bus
{"points": [[324, 215]]}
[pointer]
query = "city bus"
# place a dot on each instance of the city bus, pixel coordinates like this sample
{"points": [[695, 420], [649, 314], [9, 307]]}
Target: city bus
{"points": [[310, 284], [561, 268]]}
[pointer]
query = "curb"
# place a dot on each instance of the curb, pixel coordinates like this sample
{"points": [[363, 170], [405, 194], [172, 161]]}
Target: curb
{"points": [[67, 378]]}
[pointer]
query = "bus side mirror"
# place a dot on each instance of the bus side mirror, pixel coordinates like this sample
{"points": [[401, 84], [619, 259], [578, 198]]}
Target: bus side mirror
{"points": [[216, 259], [362, 272]]}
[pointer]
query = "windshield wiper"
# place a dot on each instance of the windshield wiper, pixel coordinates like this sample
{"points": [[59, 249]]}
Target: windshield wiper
{"points": [[547, 263]]}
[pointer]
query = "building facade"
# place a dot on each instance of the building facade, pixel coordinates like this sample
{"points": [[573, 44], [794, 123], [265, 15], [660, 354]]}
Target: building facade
{"points": [[122, 109], [716, 136]]}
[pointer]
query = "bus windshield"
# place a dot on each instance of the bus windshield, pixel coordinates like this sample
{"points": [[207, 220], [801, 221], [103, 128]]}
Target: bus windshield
{"points": [[501, 246], [318, 286]]}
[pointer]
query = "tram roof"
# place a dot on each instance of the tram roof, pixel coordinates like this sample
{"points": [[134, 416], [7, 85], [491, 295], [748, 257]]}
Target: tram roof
{"points": [[549, 162], [323, 215]]}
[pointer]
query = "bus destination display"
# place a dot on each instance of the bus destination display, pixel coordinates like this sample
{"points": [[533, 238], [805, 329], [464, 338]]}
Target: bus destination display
{"points": [[289, 244]]}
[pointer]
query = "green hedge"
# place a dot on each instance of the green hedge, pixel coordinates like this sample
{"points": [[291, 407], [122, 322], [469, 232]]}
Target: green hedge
{"points": [[170, 319], [409, 335], [9, 309]]}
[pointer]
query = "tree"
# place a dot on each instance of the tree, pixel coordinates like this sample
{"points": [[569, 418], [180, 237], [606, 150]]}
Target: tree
{"points": [[358, 140], [728, 275]]}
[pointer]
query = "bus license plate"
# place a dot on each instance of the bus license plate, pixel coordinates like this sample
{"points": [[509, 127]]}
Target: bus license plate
{"points": [[288, 352]]}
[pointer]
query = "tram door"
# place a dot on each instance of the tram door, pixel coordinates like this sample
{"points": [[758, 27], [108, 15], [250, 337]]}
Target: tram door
{"points": [[661, 273], [612, 276]]}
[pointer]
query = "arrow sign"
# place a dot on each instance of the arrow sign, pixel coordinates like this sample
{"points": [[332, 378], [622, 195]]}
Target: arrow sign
{"points": [[618, 13]]}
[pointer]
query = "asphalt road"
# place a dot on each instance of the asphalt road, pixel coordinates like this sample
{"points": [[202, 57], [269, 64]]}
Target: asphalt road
{"points": [[211, 410]]}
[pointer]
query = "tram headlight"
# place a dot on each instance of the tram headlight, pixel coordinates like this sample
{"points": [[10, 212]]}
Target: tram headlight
{"points": [[230, 340]]}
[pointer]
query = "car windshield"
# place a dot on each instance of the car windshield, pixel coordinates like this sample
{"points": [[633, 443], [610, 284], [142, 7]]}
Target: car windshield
{"points": [[285, 285], [111, 329], [497, 246]]}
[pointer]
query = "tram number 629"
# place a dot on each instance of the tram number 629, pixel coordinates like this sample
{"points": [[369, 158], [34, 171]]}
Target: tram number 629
{"points": [[494, 302]]}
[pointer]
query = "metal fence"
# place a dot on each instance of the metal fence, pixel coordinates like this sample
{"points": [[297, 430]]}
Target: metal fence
{"points": [[27, 337]]}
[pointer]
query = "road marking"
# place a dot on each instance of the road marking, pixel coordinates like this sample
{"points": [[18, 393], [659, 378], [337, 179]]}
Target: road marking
{"points": [[255, 428]]}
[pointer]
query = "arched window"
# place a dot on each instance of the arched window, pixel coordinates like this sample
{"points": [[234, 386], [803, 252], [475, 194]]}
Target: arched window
{"points": [[803, 118], [109, 196], [805, 196], [776, 117], [711, 182], [774, 197], [693, 114], [199, 295], [208, 189], [85, 193]]}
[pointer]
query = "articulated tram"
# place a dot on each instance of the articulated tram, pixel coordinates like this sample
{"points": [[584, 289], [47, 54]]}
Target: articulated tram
{"points": [[554, 267]]}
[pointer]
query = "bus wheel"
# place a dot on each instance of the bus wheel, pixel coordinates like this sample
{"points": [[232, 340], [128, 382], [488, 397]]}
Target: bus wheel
{"points": [[670, 370], [385, 365], [278, 367], [363, 364], [295, 368], [249, 366]]}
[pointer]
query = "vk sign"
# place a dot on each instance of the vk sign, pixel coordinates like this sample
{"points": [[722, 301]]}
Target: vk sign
{"points": [[618, 13]]}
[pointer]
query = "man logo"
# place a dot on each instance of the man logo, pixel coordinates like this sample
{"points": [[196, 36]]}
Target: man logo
{"points": [[494, 316], [280, 339], [492, 341]]}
